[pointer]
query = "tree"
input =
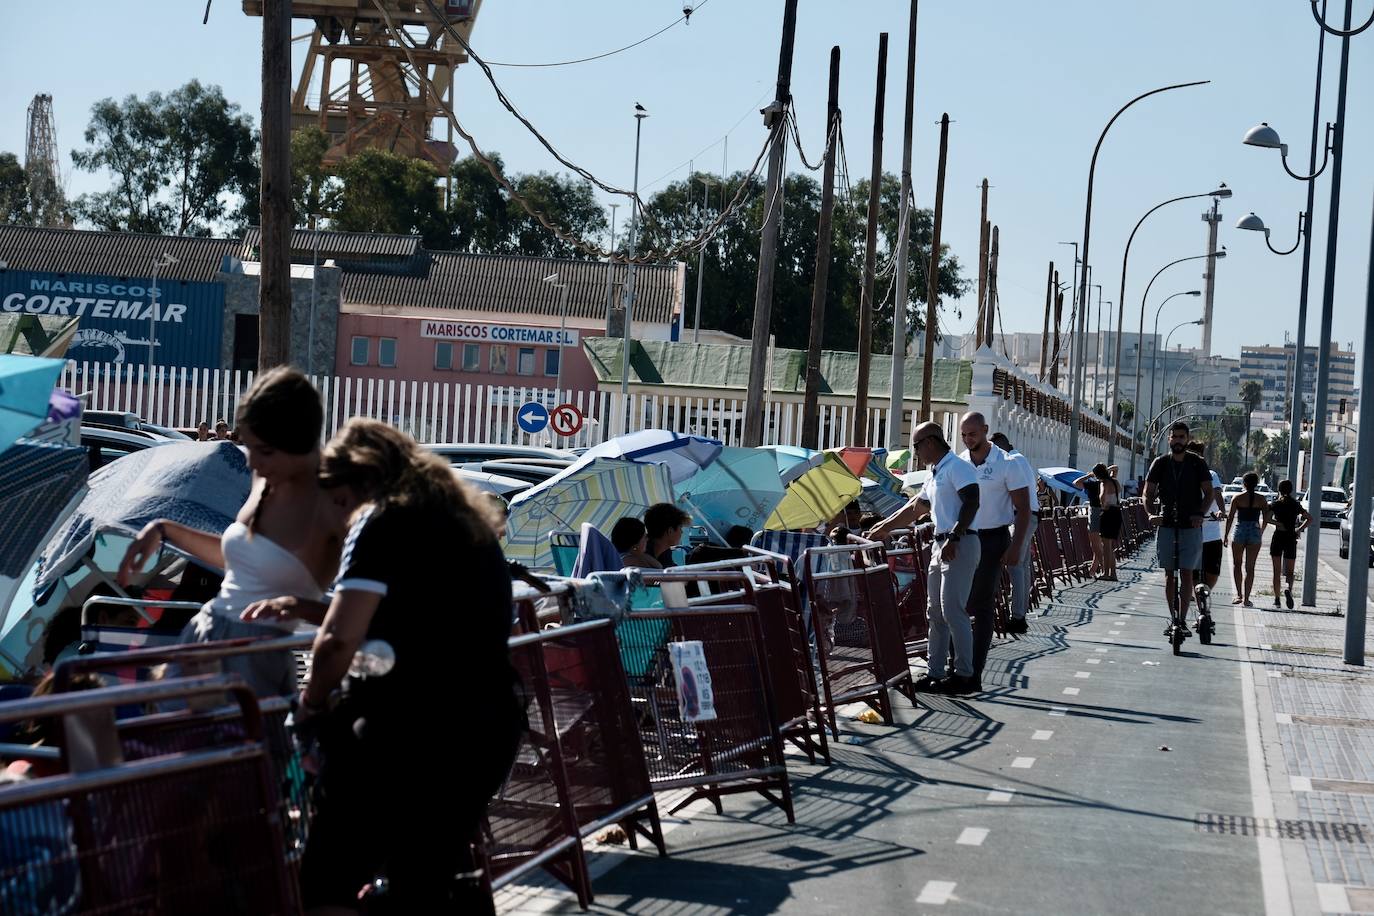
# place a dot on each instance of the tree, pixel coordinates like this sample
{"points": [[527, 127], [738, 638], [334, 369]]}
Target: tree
{"points": [[484, 217], [14, 191], [178, 161], [1252, 393], [1125, 411], [380, 191]]}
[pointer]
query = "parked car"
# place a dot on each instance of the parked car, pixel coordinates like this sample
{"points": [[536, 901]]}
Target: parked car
{"points": [[117, 419], [530, 470], [1345, 537], [106, 443], [1333, 504], [504, 487], [1229, 492], [460, 453]]}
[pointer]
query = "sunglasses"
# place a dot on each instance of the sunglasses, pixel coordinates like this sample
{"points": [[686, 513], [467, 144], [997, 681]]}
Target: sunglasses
{"points": [[916, 443]]}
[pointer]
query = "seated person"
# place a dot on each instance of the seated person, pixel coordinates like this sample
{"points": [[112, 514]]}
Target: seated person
{"points": [[630, 538], [664, 523]]}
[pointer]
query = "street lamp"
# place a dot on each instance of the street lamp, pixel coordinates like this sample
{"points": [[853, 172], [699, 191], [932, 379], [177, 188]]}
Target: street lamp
{"points": [[1253, 223], [161, 261], [640, 115], [1266, 137], [1140, 345], [1154, 355], [1221, 193], [552, 280], [1075, 415]]}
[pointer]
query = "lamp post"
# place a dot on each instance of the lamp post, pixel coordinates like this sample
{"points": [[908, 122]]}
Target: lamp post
{"points": [[1154, 356], [552, 279], [706, 183], [1140, 350], [1222, 192], [1265, 136], [161, 261], [1075, 414], [640, 115]]}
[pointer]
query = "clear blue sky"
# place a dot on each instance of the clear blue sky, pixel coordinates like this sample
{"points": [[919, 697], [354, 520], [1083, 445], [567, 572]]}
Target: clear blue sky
{"points": [[1028, 87]]}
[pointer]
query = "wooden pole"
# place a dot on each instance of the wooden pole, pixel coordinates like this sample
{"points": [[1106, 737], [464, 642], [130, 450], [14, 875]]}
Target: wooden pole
{"points": [[989, 336], [896, 405], [1058, 317], [775, 119], [274, 284], [1045, 334], [933, 273], [982, 267], [810, 436], [866, 304]]}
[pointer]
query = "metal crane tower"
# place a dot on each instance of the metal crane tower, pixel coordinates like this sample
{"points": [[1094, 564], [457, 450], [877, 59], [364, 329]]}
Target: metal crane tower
{"points": [[47, 203]]}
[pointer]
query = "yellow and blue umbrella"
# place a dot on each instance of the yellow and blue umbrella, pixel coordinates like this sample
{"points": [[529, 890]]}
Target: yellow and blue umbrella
{"points": [[741, 487], [595, 491], [816, 496]]}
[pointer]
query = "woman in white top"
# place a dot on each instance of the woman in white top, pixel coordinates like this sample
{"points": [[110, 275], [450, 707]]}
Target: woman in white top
{"points": [[285, 541]]}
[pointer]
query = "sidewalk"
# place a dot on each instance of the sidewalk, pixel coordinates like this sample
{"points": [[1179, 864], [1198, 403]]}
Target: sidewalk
{"points": [[1097, 773], [1315, 722]]}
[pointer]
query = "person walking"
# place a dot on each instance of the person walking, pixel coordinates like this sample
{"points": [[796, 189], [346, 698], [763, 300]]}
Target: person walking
{"points": [[1022, 575], [1091, 485], [1109, 525], [1003, 498], [1289, 519], [1205, 576], [950, 497], [1182, 483], [1249, 514]]}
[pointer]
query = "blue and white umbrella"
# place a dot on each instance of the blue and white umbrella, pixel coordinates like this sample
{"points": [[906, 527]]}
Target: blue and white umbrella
{"points": [[741, 487], [682, 455]]}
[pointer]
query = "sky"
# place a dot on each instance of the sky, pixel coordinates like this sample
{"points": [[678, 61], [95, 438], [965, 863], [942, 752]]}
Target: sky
{"points": [[1028, 88]]}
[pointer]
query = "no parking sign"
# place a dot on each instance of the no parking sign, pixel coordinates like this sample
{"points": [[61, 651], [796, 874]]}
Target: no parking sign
{"points": [[565, 420]]}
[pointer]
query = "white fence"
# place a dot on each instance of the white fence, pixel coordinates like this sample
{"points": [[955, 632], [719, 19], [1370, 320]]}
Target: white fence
{"points": [[445, 412]]}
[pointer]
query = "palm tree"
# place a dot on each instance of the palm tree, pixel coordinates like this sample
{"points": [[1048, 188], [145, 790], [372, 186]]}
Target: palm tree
{"points": [[1252, 393]]}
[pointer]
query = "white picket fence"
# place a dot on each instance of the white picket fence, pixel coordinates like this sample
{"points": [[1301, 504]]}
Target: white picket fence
{"points": [[436, 412]]}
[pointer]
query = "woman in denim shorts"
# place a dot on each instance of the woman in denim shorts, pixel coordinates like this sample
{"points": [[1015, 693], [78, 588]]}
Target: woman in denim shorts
{"points": [[1249, 514]]}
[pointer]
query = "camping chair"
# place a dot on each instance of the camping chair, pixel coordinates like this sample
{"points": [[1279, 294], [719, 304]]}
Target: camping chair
{"points": [[565, 546]]}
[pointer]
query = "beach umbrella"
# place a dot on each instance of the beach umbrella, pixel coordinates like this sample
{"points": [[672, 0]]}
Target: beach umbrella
{"points": [[882, 491], [26, 384], [37, 481], [898, 461], [816, 496], [792, 460], [682, 455], [1062, 479], [595, 491], [741, 487], [913, 482]]}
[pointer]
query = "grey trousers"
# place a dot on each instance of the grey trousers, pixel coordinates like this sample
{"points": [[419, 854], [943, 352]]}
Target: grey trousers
{"points": [[1022, 580], [947, 591]]}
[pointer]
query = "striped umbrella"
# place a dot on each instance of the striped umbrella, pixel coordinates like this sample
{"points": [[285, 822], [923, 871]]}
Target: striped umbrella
{"points": [[816, 496], [37, 481], [741, 487], [682, 454], [595, 491]]}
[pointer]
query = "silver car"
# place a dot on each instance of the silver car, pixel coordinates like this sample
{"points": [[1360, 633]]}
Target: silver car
{"points": [[1345, 537]]}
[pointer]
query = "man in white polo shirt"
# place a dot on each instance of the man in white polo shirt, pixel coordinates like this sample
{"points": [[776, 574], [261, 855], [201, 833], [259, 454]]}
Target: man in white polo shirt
{"points": [[1003, 499], [950, 498], [1022, 580]]}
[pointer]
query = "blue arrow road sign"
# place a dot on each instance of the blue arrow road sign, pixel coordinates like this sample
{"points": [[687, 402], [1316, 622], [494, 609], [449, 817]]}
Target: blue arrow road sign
{"points": [[532, 417]]}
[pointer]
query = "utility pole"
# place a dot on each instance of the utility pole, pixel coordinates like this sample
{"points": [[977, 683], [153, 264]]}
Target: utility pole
{"points": [[1058, 318], [866, 304], [1212, 218], [706, 183], [983, 240], [1045, 334], [896, 407], [993, 249], [274, 283], [611, 331], [775, 119], [820, 288], [933, 274]]}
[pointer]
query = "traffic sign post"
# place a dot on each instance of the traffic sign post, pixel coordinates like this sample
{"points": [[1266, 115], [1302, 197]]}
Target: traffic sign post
{"points": [[532, 417], [566, 420]]}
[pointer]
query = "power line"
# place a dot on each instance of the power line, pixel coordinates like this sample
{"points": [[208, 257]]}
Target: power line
{"points": [[584, 60], [717, 142]]}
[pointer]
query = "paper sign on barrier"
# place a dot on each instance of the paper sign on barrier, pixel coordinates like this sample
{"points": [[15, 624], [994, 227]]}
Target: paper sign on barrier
{"points": [[695, 698]]}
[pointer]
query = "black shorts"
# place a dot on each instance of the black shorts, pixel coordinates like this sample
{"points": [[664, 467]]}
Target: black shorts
{"points": [[1211, 558], [1284, 544], [1110, 526]]}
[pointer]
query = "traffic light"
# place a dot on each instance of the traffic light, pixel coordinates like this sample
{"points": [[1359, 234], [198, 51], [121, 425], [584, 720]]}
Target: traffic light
{"points": [[1342, 410]]}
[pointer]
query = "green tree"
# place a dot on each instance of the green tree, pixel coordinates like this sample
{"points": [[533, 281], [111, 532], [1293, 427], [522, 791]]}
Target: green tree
{"points": [[14, 191], [484, 217], [380, 191], [178, 161], [1252, 393], [1125, 411]]}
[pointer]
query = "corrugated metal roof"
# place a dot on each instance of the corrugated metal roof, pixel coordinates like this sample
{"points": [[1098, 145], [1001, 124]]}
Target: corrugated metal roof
{"points": [[336, 244], [512, 284], [669, 364], [112, 254]]}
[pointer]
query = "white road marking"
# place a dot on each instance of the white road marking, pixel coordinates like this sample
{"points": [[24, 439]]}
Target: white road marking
{"points": [[1082, 674], [1273, 878], [1023, 763], [1042, 735], [1070, 691], [1332, 898], [1283, 718], [972, 836], [1094, 661], [1001, 795], [1100, 649], [1059, 710], [1276, 674], [1113, 632], [1300, 783], [1266, 647], [936, 893]]}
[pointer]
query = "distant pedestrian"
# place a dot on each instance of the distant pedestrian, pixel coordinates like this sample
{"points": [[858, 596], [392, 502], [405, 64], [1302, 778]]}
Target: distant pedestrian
{"points": [[1022, 575], [1092, 489], [1182, 482], [664, 523], [221, 429], [1206, 576], [950, 497], [203, 431], [1109, 526], [1289, 519], [1250, 514], [1004, 498]]}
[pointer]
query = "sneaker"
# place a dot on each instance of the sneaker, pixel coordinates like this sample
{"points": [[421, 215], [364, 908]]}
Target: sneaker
{"points": [[1017, 625], [1247, 603], [1288, 596], [1276, 601], [930, 684], [959, 685]]}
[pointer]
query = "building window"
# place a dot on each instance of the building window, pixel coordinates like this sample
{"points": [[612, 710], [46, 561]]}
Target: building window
{"points": [[472, 357], [500, 356], [551, 358], [386, 352], [360, 348], [443, 355], [524, 361]]}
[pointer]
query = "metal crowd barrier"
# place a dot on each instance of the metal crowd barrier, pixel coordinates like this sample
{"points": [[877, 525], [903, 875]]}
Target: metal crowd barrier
{"points": [[859, 637], [173, 831]]}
